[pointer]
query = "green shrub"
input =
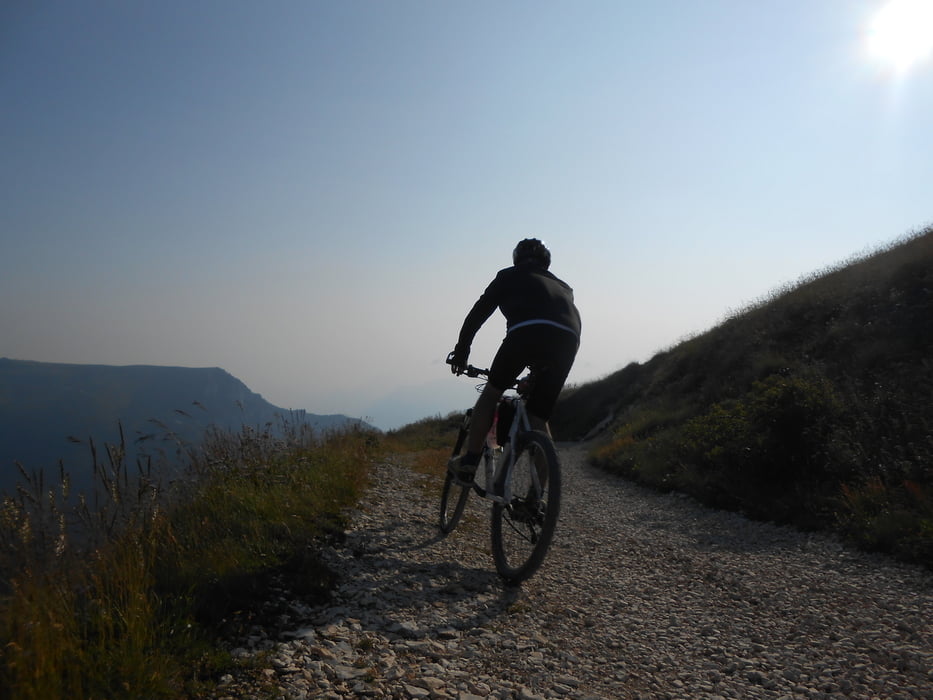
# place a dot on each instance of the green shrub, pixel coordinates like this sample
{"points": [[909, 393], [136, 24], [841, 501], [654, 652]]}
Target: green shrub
{"points": [[762, 452], [891, 518]]}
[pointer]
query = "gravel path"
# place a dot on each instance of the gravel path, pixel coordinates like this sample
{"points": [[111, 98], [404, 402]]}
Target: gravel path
{"points": [[642, 596]]}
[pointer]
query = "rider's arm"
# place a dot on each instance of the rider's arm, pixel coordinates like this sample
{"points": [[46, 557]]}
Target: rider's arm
{"points": [[481, 311]]}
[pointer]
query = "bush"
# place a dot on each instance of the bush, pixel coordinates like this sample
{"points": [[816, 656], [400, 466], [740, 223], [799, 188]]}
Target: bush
{"points": [[891, 518], [763, 452]]}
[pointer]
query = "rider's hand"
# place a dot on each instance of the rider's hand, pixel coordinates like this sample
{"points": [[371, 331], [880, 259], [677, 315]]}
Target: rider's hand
{"points": [[458, 360]]}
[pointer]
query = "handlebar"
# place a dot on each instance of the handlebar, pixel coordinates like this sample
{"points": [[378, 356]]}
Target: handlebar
{"points": [[523, 385], [474, 372], [469, 370]]}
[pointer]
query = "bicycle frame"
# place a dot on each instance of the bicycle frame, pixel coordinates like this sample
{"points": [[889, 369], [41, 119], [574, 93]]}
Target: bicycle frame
{"points": [[493, 467]]}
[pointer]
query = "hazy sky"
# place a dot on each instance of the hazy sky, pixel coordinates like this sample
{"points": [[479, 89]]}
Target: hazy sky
{"points": [[311, 195]]}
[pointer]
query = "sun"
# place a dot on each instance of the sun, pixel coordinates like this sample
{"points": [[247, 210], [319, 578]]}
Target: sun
{"points": [[900, 35]]}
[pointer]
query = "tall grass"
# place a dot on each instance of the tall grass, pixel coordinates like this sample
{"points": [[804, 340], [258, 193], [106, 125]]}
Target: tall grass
{"points": [[425, 445], [433, 433], [127, 595]]}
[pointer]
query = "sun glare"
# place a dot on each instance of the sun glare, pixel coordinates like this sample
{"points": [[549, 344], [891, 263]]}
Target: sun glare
{"points": [[901, 34]]}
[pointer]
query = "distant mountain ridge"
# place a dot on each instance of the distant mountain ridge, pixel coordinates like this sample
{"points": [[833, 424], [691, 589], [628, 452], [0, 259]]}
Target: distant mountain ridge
{"points": [[45, 407]]}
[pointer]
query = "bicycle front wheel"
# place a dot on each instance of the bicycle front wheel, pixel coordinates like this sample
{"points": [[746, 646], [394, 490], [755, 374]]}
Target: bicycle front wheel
{"points": [[522, 529], [454, 496]]}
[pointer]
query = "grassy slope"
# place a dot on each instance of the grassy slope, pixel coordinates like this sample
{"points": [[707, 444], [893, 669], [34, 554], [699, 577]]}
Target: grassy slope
{"points": [[814, 406], [133, 596]]}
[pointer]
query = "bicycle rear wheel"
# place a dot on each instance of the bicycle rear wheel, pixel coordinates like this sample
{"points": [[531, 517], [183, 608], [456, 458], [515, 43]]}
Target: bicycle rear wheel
{"points": [[523, 528], [454, 496]]}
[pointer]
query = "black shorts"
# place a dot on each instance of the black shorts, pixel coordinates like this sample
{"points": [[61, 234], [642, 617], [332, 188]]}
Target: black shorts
{"points": [[549, 350]]}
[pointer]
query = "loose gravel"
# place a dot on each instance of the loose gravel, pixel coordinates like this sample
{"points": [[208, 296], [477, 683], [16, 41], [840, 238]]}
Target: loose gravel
{"points": [[642, 595]]}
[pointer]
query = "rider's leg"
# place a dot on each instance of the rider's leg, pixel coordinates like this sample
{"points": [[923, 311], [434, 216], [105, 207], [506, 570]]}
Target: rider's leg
{"points": [[484, 412], [538, 423]]}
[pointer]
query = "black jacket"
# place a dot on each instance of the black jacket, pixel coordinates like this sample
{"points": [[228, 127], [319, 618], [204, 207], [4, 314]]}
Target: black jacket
{"points": [[524, 292]]}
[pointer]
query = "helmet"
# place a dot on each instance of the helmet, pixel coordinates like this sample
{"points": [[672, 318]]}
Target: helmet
{"points": [[532, 250]]}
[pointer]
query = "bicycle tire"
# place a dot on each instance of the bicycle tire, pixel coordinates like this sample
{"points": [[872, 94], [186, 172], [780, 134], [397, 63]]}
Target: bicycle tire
{"points": [[452, 501], [522, 529]]}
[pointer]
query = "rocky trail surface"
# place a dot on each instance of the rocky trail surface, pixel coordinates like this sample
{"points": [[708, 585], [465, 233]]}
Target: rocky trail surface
{"points": [[641, 596]]}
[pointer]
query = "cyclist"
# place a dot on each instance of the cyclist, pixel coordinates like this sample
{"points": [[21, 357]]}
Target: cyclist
{"points": [[542, 331]]}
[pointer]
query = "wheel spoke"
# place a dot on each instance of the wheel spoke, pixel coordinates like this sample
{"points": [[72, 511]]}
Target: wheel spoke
{"points": [[522, 529], [454, 495]]}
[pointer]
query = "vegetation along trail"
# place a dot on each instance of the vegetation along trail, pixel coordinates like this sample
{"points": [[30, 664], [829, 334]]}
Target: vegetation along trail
{"points": [[643, 595]]}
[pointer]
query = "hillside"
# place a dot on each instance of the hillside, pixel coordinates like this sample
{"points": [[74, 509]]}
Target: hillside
{"points": [[813, 406], [50, 412]]}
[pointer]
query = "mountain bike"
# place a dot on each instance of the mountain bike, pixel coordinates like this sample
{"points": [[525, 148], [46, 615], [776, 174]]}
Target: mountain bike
{"points": [[520, 474]]}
